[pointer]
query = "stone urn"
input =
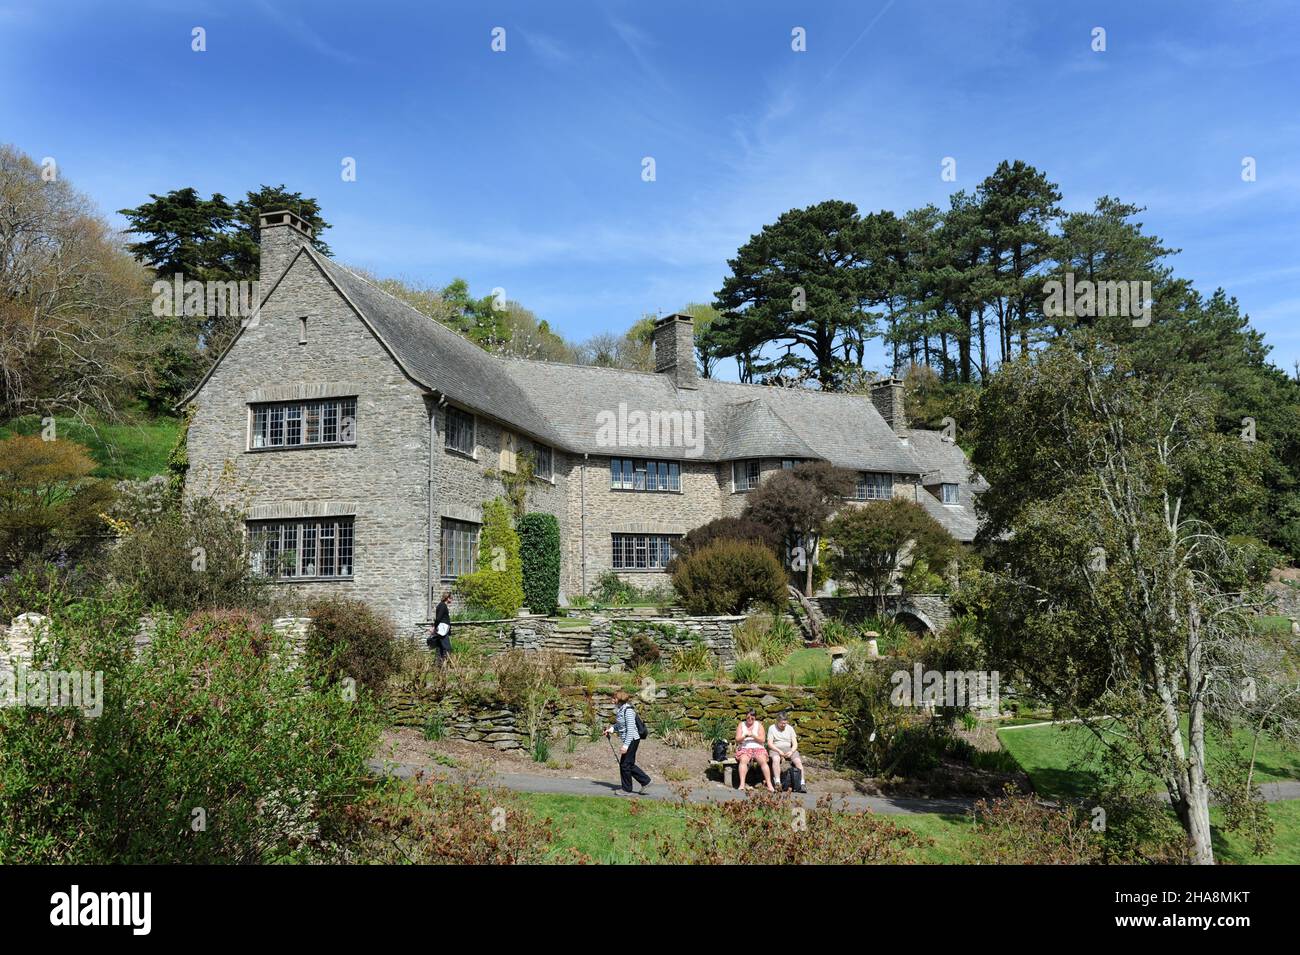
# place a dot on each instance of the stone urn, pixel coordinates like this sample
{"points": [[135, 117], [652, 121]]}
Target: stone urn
{"points": [[873, 647], [837, 658]]}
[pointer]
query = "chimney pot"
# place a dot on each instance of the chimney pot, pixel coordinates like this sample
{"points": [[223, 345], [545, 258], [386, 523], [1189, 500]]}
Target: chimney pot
{"points": [[281, 234]]}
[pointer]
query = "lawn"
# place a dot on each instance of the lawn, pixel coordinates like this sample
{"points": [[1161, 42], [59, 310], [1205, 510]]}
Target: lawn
{"points": [[808, 666], [1065, 759], [128, 450], [623, 832], [1273, 623], [628, 832]]}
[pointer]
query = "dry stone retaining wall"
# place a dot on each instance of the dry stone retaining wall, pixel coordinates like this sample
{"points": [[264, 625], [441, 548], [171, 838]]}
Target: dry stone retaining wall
{"points": [[819, 726]]}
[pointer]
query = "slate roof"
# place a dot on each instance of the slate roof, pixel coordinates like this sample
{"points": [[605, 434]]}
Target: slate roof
{"points": [[565, 405], [944, 462]]}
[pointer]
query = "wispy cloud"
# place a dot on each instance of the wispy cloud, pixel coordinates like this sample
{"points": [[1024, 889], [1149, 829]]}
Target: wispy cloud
{"points": [[299, 28]]}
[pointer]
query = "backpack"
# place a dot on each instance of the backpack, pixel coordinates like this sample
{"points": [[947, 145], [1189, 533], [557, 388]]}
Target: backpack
{"points": [[641, 730], [719, 751], [791, 779]]}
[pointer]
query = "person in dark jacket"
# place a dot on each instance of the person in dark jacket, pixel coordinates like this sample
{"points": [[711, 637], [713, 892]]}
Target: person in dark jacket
{"points": [[440, 639], [625, 727]]}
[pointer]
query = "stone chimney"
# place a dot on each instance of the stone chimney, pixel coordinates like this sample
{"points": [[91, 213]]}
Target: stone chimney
{"points": [[675, 349], [281, 234], [887, 396]]}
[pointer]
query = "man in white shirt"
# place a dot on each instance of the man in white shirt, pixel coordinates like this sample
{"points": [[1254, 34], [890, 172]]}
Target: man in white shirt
{"points": [[782, 743]]}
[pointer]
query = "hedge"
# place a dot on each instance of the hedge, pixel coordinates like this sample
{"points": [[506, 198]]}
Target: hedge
{"points": [[539, 551]]}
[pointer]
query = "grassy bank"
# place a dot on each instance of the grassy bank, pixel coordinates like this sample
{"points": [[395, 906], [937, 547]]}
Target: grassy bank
{"points": [[128, 450]]}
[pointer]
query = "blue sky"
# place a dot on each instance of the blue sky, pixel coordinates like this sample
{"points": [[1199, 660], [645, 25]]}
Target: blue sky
{"points": [[522, 169]]}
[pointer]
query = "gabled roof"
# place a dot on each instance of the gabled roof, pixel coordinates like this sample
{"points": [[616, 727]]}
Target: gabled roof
{"points": [[566, 405], [944, 462]]}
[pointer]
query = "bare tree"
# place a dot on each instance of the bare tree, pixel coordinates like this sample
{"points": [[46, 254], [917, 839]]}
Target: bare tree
{"points": [[71, 298]]}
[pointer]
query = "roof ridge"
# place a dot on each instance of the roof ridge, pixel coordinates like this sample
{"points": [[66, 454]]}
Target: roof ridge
{"points": [[410, 308]]}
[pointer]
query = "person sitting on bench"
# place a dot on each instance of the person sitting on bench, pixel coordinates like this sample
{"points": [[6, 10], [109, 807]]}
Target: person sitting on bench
{"points": [[782, 743], [750, 744]]}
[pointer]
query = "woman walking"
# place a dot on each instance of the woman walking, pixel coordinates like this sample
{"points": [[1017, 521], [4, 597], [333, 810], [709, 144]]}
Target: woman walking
{"points": [[440, 639], [625, 724]]}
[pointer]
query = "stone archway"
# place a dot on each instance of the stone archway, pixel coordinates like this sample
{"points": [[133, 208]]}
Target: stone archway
{"points": [[914, 620]]}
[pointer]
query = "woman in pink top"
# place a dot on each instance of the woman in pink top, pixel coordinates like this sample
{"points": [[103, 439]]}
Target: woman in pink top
{"points": [[751, 744]]}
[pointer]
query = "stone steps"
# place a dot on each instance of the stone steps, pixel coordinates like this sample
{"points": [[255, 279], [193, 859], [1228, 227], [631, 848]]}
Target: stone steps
{"points": [[575, 643]]}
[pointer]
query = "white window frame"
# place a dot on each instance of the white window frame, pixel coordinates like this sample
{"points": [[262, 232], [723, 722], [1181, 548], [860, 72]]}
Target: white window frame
{"points": [[750, 480], [457, 527], [641, 553], [267, 538], [874, 486], [648, 475], [947, 489]]}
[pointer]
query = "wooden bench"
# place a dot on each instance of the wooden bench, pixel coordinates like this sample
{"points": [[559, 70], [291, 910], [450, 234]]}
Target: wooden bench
{"points": [[728, 769]]}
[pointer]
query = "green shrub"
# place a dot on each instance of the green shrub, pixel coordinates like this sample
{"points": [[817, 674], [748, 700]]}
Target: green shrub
{"points": [[645, 652], [539, 553], [347, 638], [730, 529], [498, 583], [613, 590], [747, 668], [209, 747], [748, 635], [435, 727], [190, 556], [713, 726], [726, 577], [693, 659]]}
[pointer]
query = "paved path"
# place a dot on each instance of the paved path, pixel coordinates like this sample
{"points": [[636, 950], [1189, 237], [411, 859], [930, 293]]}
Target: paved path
{"points": [[716, 792]]}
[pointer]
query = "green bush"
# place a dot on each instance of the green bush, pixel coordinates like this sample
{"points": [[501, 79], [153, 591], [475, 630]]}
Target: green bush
{"points": [[209, 747], [694, 659], [747, 668], [349, 639], [539, 554], [645, 652], [727, 528], [613, 590], [187, 557], [726, 577], [498, 583]]}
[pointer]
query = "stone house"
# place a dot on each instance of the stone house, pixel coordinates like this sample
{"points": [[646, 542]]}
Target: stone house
{"points": [[361, 439]]}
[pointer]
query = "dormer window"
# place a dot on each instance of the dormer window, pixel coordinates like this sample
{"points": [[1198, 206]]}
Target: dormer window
{"points": [[950, 494]]}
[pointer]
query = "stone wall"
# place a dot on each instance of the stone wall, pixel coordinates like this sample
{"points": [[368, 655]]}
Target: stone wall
{"points": [[818, 725], [611, 641], [933, 610], [381, 480]]}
